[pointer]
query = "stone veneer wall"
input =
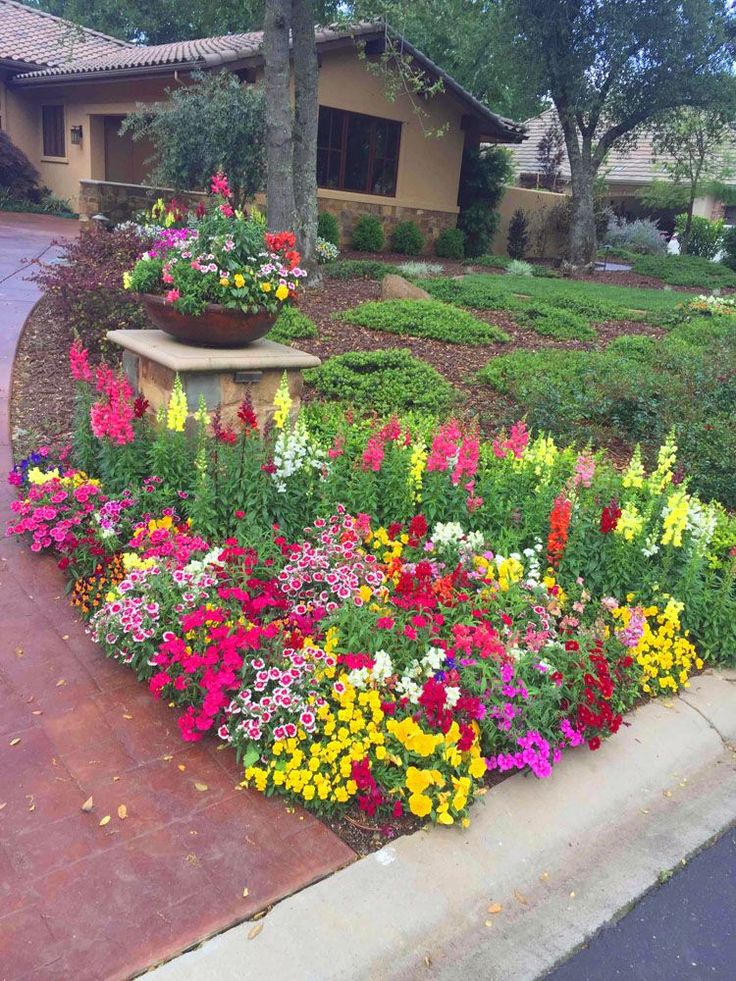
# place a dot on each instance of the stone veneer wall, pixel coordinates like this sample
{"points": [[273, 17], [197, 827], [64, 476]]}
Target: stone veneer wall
{"points": [[120, 202], [430, 223]]}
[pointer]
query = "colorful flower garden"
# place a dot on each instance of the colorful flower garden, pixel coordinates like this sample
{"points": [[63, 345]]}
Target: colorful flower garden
{"points": [[377, 615]]}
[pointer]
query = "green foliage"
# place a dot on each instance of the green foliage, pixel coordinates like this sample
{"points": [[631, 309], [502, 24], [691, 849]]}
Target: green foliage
{"points": [[596, 302], [424, 318], [416, 270], [386, 381], [368, 234], [638, 390], [357, 269], [406, 239], [704, 238], [729, 247], [450, 244], [561, 324], [47, 204], [483, 178], [18, 177], [291, 325], [641, 236], [685, 270], [517, 239], [328, 227], [491, 261], [517, 267], [214, 124]]}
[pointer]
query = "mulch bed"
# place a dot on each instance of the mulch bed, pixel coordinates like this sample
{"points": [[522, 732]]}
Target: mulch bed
{"points": [[43, 395]]}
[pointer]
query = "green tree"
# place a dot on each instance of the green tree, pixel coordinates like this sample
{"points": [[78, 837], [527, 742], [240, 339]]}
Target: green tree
{"points": [[691, 147], [160, 21], [213, 124], [612, 66]]}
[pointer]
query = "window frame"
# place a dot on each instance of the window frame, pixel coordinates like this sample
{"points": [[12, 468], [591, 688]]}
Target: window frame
{"points": [[60, 133], [342, 149]]}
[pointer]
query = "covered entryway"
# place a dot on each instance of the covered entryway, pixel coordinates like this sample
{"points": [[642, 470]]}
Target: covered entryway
{"points": [[124, 157]]}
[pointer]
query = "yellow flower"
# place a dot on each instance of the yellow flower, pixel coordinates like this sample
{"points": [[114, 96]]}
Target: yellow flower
{"points": [[477, 767], [282, 292], [239, 280], [420, 805], [282, 403], [445, 818], [127, 280], [266, 287], [38, 476], [417, 780], [224, 281], [630, 522], [675, 518], [634, 475], [176, 415]]}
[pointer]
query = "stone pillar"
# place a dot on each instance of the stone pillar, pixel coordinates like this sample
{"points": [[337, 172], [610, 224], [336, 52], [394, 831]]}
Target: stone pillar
{"points": [[152, 360]]}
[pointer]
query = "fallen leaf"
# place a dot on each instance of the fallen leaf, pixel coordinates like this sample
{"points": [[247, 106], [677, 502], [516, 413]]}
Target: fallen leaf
{"points": [[105, 820], [645, 810], [122, 812], [495, 908], [19, 652], [14, 742], [60, 682], [246, 892], [4, 804], [255, 931], [65, 636], [88, 805], [32, 807], [520, 898], [115, 779], [126, 716], [572, 895], [428, 961], [489, 923], [182, 767], [37, 712], [167, 757], [667, 793], [201, 787], [544, 876]]}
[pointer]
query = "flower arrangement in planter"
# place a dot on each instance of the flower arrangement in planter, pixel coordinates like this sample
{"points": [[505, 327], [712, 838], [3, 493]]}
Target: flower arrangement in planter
{"points": [[220, 277], [382, 616]]}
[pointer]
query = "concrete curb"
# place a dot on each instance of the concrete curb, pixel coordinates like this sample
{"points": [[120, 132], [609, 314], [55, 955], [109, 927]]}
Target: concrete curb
{"points": [[561, 857]]}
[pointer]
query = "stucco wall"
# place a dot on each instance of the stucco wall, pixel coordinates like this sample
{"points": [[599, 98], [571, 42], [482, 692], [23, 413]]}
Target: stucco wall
{"points": [[544, 242], [429, 166]]}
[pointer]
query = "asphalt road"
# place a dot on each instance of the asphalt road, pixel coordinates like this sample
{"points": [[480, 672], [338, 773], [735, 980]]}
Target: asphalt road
{"points": [[684, 929]]}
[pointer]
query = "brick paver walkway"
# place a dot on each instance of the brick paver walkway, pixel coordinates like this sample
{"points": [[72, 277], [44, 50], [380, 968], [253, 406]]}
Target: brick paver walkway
{"points": [[78, 900]]}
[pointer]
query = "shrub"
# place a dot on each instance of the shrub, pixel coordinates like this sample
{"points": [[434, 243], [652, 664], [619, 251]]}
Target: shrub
{"points": [[642, 236], [386, 381], [685, 270], [368, 234], [729, 247], [491, 261], [18, 177], [328, 228], [47, 204], [292, 324], [517, 239], [483, 178], [406, 239], [450, 243], [418, 269], [357, 269], [325, 251], [86, 292], [517, 267], [705, 236], [424, 318]]}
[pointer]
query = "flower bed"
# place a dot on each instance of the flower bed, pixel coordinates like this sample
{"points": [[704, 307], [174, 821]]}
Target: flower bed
{"points": [[379, 617]]}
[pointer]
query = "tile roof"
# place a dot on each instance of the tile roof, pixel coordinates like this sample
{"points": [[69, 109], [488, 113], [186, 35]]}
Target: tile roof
{"points": [[32, 37], [626, 166]]}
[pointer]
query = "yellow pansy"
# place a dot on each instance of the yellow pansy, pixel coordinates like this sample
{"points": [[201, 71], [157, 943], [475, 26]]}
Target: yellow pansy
{"points": [[224, 281], [420, 805], [38, 476], [282, 292], [239, 280], [266, 287], [417, 780]]}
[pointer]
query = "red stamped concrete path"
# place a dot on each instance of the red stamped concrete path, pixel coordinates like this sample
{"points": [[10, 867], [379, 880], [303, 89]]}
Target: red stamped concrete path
{"points": [[78, 900]]}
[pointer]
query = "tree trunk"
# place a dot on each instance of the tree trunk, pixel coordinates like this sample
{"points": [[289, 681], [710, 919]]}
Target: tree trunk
{"points": [[582, 223], [306, 113], [279, 140]]}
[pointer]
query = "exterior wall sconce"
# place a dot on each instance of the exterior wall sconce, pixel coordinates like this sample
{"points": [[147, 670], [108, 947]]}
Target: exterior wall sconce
{"points": [[76, 135]]}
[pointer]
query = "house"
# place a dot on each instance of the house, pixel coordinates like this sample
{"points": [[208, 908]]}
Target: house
{"points": [[64, 91], [625, 172]]}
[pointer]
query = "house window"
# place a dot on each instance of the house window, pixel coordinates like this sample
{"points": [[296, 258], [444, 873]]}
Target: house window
{"points": [[52, 120], [356, 152]]}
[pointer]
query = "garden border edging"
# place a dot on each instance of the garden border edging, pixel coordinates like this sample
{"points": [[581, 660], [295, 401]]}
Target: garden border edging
{"points": [[561, 857]]}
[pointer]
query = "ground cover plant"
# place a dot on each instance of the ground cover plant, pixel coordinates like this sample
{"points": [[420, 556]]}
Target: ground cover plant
{"points": [[595, 301], [686, 270], [637, 389], [424, 318], [383, 381], [383, 617], [291, 325]]}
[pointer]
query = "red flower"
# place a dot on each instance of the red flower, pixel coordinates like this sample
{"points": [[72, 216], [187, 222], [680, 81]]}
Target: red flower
{"points": [[247, 415], [559, 524], [609, 517], [418, 526], [594, 743]]}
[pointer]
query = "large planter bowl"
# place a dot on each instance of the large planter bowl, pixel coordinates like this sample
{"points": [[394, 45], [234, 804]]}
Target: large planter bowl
{"points": [[217, 327]]}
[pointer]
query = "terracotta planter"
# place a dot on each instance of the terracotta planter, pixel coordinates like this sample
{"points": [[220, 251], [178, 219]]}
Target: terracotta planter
{"points": [[217, 327]]}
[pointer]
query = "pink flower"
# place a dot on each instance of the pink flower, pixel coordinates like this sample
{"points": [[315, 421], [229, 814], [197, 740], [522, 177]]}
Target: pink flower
{"points": [[516, 442], [171, 296]]}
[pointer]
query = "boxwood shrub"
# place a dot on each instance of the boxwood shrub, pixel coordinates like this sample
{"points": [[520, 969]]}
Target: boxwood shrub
{"points": [[450, 243], [406, 239], [328, 228], [368, 234]]}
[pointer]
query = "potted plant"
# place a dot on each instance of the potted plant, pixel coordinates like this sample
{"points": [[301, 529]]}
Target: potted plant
{"points": [[220, 279]]}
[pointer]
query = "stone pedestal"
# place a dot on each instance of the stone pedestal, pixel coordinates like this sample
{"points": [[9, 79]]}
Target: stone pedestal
{"points": [[152, 359]]}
